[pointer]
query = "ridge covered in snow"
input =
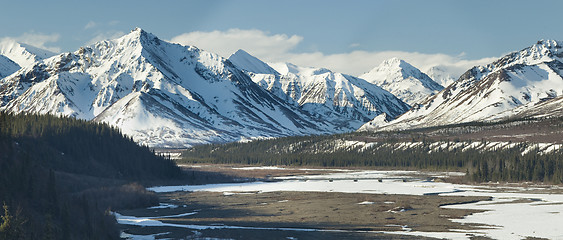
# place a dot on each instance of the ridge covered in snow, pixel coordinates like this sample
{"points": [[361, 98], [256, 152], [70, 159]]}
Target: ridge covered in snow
{"points": [[168, 95], [23, 54], [525, 77], [159, 93], [402, 80], [341, 99], [249, 63]]}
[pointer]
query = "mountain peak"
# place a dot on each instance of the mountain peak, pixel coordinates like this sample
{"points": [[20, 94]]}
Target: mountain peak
{"points": [[137, 29], [549, 43], [243, 60], [549, 48], [396, 67], [139, 35], [394, 61], [543, 48], [137, 32], [541, 51], [396, 64], [241, 52], [403, 80]]}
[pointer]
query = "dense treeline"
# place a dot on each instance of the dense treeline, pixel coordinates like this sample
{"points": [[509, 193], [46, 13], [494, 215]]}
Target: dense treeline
{"points": [[60, 176], [328, 151], [80, 146]]}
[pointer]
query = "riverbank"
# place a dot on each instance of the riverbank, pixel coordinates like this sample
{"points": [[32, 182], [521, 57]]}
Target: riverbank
{"points": [[347, 204]]}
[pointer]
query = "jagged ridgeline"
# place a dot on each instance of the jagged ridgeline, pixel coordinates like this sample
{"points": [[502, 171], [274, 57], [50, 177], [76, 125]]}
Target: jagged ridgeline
{"points": [[57, 170], [482, 160]]}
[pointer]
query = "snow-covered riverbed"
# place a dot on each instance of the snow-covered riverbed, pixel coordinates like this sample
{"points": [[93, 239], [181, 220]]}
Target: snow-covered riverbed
{"points": [[511, 215]]}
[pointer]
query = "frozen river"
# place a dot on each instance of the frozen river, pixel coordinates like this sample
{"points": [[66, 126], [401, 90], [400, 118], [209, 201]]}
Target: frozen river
{"points": [[513, 213]]}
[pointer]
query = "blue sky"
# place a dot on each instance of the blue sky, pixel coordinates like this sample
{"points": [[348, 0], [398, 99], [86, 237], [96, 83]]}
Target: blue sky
{"points": [[349, 36]]}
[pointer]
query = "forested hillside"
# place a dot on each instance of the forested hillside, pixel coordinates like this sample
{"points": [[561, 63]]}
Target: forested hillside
{"points": [[59, 176], [476, 149]]}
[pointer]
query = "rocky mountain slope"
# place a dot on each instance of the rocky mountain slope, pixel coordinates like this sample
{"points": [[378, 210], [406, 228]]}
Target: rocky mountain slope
{"points": [[402, 80], [343, 100], [159, 93], [522, 78]]}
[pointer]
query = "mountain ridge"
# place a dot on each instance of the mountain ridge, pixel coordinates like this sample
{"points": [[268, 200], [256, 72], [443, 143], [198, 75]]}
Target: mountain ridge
{"points": [[168, 95], [181, 95], [529, 76], [21, 53], [345, 100]]}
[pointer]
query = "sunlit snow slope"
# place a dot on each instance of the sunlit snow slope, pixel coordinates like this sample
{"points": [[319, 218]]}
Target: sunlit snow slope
{"points": [[22, 54], [161, 94]]}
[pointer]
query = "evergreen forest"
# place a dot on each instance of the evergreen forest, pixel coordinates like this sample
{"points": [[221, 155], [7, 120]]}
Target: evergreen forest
{"points": [[509, 164], [61, 177]]}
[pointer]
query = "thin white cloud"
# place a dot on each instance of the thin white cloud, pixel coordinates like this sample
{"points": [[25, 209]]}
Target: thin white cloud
{"points": [[278, 48], [38, 40], [105, 36], [256, 42], [354, 45], [90, 24]]}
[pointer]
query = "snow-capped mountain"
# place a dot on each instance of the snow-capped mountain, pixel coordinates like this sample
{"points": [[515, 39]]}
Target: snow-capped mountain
{"points": [[441, 75], [249, 63], [23, 54], [343, 100], [159, 93], [7, 66], [525, 77], [402, 80]]}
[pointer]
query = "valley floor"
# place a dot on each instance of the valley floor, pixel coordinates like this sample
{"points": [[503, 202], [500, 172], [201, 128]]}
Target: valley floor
{"points": [[345, 204]]}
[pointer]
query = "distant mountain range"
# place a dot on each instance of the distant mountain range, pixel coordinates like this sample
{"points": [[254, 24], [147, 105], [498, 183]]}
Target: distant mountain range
{"points": [[168, 95], [526, 83], [342, 100]]}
